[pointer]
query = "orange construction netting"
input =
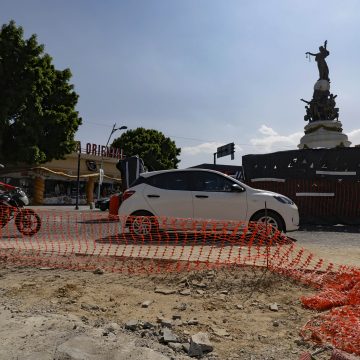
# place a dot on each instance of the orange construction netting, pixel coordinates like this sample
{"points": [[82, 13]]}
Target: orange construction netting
{"points": [[89, 240]]}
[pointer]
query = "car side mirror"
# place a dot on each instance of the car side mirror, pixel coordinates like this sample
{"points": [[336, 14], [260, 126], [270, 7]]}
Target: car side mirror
{"points": [[237, 188]]}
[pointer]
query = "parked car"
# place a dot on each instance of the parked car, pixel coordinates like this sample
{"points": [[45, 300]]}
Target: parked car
{"points": [[102, 204], [105, 203], [202, 194]]}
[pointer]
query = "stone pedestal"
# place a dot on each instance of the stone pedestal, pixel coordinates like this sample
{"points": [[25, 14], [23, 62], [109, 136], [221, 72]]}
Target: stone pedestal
{"points": [[323, 134]]}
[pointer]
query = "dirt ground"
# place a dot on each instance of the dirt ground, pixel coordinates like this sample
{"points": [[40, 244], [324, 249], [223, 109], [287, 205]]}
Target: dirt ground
{"points": [[231, 305]]}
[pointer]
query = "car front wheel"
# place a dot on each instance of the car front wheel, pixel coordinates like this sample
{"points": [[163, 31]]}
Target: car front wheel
{"points": [[268, 217]]}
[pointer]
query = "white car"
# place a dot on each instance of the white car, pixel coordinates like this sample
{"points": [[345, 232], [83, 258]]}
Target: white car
{"points": [[201, 194]]}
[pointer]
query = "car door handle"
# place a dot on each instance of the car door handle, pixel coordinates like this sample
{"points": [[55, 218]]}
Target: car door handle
{"points": [[153, 196], [201, 196]]}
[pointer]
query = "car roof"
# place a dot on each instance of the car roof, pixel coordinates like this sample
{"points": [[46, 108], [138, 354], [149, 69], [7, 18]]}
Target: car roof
{"points": [[152, 173]]}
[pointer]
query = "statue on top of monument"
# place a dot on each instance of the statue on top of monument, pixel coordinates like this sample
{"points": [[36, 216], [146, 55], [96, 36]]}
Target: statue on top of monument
{"points": [[320, 59], [322, 106]]}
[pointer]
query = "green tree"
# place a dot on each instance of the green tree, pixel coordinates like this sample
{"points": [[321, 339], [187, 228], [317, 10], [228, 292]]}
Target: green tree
{"points": [[38, 120], [157, 151]]}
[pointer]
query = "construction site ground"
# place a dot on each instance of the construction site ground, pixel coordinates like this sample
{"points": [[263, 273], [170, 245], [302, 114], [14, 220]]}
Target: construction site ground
{"points": [[249, 313]]}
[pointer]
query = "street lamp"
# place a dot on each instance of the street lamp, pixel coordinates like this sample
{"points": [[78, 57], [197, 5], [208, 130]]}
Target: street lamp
{"points": [[78, 177], [101, 171]]}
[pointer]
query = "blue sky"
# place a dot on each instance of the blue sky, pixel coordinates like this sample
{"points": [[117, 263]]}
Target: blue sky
{"points": [[204, 72]]}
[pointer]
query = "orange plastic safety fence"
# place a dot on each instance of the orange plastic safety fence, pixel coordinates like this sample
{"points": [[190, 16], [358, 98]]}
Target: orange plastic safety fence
{"points": [[89, 240], [340, 327]]}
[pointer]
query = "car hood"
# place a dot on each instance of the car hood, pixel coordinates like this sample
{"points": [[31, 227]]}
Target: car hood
{"points": [[261, 192]]}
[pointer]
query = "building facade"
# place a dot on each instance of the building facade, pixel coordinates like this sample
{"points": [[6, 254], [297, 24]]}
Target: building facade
{"points": [[56, 182]]}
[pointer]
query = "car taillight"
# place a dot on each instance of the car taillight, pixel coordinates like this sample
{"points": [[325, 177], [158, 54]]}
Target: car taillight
{"points": [[127, 194]]}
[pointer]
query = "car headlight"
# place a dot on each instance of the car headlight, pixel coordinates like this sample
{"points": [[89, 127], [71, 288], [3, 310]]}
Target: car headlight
{"points": [[284, 199]]}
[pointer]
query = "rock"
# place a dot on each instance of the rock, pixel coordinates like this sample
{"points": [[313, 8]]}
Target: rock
{"points": [[148, 325], [200, 292], [181, 307], [98, 271], [159, 318], [274, 307], [199, 284], [200, 344], [185, 292], [89, 307], [276, 323], [167, 323], [219, 332], [193, 322], [146, 303], [300, 342], [240, 307], [177, 322], [168, 336], [112, 328], [165, 291], [78, 348], [175, 346], [186, 347], [132, 325], [176, 317]]}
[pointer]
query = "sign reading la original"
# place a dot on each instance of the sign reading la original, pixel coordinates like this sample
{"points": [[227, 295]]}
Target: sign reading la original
{"points": [[104, 151]]}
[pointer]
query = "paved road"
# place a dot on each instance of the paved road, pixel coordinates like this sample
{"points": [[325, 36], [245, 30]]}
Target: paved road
{"points": [[340, 244]]}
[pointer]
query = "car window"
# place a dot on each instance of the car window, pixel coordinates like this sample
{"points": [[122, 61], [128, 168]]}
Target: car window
{"points": [[208, 181], [171, 181]]}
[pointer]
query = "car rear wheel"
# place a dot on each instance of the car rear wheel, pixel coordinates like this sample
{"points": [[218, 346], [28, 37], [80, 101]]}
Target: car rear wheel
{"points": [[142, 224], [268, 217]]}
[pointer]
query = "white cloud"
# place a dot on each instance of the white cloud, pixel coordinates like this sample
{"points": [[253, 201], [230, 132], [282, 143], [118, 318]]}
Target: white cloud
{"points": [[354, 137], [265, 130], [273, 141], [204, 148]]}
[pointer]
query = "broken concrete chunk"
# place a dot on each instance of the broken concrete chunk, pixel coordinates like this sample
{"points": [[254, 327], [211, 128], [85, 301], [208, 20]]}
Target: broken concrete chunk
{"points": [[165, 291], [219, 332], [181, 307], [185, 292], [112, 328], [175, 346], [166, 322], [200, 344], [132, 325], [193, 322], [98, 271], [199, 284], [274, 307], [168, 336], [146, 303]]}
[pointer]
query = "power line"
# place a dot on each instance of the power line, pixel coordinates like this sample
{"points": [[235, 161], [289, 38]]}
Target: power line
{"points": [[196, 139]]}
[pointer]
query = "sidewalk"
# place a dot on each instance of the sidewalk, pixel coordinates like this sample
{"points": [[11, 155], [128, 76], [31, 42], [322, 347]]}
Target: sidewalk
{"points": [[67, 208]]}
